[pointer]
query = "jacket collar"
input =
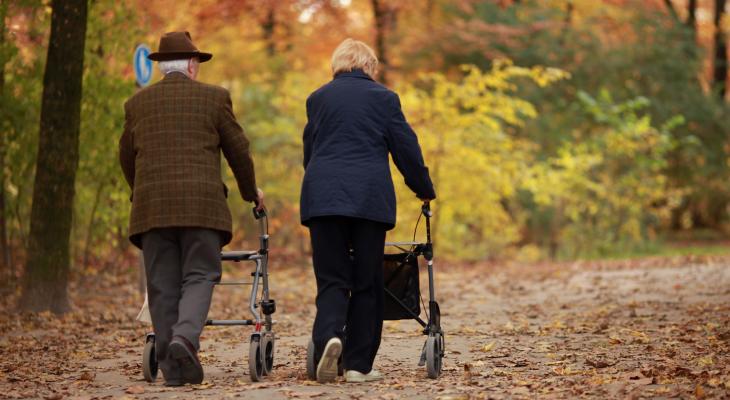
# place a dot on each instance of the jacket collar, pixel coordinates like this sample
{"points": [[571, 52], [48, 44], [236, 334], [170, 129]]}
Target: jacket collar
{"points": [[355, 73], [175, 76]]}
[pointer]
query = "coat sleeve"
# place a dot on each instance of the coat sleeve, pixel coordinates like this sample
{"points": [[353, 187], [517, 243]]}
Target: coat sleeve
{"points": [[235, 148], [406, 152], [307, 137], [127, 154]]}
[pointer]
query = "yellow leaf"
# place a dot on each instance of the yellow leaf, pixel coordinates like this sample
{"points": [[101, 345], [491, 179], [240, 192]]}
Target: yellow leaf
{"points": [[488, 347], [613, 339], [640, 336], [705, 361]]}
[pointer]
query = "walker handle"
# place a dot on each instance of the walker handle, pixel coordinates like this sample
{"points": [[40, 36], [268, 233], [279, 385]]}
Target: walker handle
{"points": [[259, 214], [426, 209]]}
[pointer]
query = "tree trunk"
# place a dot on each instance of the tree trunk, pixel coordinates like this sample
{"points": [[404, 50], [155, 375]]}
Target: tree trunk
{"points": [[46, 275], [721, 57], [429, 14], [384, 19], [671, 9], [268, 27], [567, 22], [6, 268], [692, 16]]}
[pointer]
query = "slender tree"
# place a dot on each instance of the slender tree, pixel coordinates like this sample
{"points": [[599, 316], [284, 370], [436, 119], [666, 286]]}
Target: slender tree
{"points": [[384, 16], [721, 57], [567, 21], [46, 274], [692, 16], [269, 28], [5, 265], [671, 9]]}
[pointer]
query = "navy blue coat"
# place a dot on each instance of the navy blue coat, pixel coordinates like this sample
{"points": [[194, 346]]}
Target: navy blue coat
{"points": [[353, 124]]}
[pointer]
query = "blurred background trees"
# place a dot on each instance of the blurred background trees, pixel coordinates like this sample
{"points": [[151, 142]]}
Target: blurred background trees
{"points": [[554, 129]]}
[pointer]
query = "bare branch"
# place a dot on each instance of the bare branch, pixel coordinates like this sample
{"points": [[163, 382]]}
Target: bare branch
{"points": [[671, 9]]}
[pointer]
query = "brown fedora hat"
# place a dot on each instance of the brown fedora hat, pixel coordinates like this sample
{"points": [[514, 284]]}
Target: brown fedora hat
{"points": [[178, 46]]}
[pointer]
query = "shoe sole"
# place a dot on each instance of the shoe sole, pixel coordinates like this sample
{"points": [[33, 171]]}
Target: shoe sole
{"points": [[191, 371], [327, 367], [362, 379]]}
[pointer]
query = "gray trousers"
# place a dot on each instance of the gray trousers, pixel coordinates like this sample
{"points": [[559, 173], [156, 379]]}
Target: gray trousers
{"points": [[182, 266]]}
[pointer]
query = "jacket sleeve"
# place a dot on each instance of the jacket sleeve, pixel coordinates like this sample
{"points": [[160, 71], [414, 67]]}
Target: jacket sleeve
{"points": [[235, 148], [307, 137], [406, 152], [127, 154]]}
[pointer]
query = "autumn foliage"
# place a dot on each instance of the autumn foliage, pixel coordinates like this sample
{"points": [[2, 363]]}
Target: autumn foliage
{"points": [[553, 129]]}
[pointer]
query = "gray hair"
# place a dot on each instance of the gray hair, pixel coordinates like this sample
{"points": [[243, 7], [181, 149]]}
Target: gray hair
{"points": [[174, 66]]}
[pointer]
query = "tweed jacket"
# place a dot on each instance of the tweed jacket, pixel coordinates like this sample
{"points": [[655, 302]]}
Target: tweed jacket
{"points": [[174, 132]]}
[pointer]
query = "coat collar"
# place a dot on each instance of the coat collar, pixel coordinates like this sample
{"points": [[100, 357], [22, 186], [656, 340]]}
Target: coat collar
{"points": [[355, 73], [175, 76]]}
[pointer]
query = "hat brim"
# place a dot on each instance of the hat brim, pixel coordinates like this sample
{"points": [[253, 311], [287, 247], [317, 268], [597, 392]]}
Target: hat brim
{"points": [[203, 57]]}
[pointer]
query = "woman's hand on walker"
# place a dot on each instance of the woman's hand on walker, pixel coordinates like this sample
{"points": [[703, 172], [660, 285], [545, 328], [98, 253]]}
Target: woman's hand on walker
{"points": [[259, 200]]}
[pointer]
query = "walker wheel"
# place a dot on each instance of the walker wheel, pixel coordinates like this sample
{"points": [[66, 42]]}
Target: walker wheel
{"points": [[149, 359], [255, 361], [434, 355], [312, 367], [268, 353]]}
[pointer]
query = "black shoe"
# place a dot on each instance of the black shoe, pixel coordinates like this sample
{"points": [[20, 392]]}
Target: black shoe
{"points": [[173, 382], [184, 353]]}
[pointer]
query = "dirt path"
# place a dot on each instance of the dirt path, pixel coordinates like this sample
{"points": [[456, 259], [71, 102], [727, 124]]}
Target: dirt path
{"points": [[657, 328]]}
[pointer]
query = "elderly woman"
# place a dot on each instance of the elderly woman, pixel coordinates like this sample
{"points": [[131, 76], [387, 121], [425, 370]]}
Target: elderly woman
{"points": [[348, 203]]}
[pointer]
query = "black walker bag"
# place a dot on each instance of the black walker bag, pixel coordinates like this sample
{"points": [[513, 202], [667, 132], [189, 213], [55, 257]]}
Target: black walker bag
{"points": [[402, 288]]}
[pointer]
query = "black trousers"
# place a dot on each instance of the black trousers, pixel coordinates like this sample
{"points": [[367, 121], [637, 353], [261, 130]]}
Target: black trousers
{"points": [[349, 287], [182, 266]]}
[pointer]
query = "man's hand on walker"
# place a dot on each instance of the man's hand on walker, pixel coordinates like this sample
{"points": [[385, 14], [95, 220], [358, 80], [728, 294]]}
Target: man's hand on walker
{"points": [[259, 200]]}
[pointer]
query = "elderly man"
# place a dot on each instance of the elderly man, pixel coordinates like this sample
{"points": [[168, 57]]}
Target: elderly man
{"points": [[170, 154]]}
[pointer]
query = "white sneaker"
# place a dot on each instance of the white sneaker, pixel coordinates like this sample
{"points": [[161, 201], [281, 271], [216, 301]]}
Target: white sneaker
{"points": [[327, 367], [353, 376]]}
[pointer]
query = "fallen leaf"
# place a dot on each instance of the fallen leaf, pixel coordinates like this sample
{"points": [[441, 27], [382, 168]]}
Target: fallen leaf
{"points": [[640, 337], [459, 396], [202, 386], [134, 390], [699, 392], [613, 339], [705, 361], [87, 376], [599, 363], [488, 347], [643, 381]]}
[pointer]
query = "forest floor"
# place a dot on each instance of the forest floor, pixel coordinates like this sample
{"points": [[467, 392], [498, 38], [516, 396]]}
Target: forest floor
{"points": [[652, 327]]}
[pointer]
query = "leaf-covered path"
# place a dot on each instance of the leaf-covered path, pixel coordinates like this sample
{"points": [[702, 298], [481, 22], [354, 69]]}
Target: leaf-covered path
{"points": [[657, 327]]}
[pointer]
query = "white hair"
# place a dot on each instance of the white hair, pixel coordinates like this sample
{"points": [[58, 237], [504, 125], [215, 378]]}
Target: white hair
{"points": [[174, 66], [354, 54]]}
